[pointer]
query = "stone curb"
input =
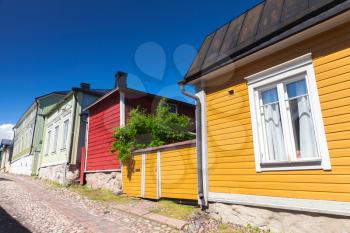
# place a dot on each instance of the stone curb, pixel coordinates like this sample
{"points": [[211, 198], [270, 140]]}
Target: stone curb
{"points": [[178, 224], [175, 223]]}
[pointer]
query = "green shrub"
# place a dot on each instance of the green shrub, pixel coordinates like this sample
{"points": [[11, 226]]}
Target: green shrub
{"points": [[146, 130]]}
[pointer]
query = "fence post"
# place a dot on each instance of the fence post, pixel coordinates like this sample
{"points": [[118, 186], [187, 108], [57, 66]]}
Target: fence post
{"points": [[159, 177], [143, 175]]}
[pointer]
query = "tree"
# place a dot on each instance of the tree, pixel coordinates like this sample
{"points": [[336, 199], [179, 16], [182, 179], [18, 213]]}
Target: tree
{"points": [[145, 130]]}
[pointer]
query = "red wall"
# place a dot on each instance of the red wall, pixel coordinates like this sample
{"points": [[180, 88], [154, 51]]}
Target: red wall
{"points": [[104, 118]]}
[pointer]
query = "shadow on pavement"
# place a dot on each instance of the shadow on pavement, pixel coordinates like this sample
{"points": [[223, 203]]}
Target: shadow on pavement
{"points": [[4, 179], [10, 225]]}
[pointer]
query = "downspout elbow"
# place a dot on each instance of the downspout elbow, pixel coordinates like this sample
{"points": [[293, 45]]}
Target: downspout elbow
{"points": [[184, 92]]}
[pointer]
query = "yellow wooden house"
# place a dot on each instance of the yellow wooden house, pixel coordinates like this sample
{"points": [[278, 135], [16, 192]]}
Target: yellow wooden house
{"points": [[274, 88]]}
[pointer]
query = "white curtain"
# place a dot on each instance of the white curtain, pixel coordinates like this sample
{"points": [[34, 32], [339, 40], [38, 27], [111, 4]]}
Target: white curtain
{"points": [[306, 130], [274, 133]]}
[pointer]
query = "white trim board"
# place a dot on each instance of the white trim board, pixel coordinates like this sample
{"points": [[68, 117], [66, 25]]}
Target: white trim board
{"points": [[86, 144], [296, 204], [122, 109], [143, 175], [101, 99], [159, 176]]}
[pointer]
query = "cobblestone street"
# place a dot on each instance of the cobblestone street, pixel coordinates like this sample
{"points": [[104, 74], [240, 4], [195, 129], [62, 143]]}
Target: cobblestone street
{"points": [[28, 206]]}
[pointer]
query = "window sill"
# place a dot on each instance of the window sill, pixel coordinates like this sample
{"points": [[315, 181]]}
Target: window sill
{"points": [[307, 164]]}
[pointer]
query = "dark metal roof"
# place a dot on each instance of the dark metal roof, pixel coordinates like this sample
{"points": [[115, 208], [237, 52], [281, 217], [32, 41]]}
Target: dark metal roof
{"points": [[133, 93], [265, 21], [53, 93], [34, 102]]}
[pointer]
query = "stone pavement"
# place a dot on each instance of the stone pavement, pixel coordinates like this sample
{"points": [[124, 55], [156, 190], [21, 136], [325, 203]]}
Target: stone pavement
{"points": [[30, 207]]}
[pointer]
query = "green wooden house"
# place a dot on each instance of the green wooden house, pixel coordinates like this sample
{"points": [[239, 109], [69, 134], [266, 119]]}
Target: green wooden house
{"points": [[28, 134]]}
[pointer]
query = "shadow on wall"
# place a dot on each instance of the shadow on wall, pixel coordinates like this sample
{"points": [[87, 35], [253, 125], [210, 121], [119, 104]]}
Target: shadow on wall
{"points": [[130, 167], [9, 224]]}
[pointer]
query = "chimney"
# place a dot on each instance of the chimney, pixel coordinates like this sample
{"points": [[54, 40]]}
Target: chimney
{"points": [[85, 86], [121, 80]]}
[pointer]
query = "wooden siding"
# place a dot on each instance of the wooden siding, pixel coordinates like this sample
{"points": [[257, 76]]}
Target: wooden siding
{"points": [[179, 173], [132, 176], [104, 118], [151, 182], [230, 143]]}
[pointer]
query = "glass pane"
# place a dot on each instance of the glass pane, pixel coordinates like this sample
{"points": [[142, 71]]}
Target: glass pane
{"points": [[274, 137], [303, 128], [296, 88], [269, 96]]}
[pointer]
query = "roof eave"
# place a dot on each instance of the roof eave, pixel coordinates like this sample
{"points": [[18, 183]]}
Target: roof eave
{"points": [[272, 39], [342, 17]]}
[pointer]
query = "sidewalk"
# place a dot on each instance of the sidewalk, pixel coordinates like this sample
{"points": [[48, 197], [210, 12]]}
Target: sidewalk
{"points": [[91, 216]]}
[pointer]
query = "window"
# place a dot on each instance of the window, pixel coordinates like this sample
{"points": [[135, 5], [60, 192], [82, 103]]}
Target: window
{"points": [[48, 142], [172, 108], [54, 148], [65, 134], [288, 129]]}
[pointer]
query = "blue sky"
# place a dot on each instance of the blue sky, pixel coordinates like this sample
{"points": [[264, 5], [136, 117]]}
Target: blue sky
{"points": [[55, 45]]}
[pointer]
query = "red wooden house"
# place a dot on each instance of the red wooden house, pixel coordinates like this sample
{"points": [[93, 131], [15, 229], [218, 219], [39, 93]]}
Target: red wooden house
{"points": [[100, 167]]}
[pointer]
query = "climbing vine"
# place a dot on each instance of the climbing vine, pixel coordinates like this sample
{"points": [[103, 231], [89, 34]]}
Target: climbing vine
{"points": [[149, 130]]}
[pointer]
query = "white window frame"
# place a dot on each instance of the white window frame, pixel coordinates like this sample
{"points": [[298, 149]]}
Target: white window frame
{"points": [[48, 142], [65, 134], [288, 71], [55, 139]]}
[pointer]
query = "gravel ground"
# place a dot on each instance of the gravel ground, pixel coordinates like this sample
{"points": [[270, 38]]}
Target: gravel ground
{"points": [[29, 206]]}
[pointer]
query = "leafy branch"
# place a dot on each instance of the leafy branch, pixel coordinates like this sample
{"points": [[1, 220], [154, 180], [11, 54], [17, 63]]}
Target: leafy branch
{"points": [[146, 130]]}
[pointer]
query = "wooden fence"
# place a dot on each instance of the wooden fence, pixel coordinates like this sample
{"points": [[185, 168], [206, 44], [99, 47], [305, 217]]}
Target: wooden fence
{"points": [[168, 171]]}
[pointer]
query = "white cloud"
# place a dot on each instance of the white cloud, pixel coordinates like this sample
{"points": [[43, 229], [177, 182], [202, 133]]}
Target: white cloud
{"points": [[6, 131]]}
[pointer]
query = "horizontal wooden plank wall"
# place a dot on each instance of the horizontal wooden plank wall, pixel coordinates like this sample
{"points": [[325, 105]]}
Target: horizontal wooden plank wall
{"points": [[103, 120], [151, 181], [231, 165], [179, 173], [132, 176], [177, 177]]}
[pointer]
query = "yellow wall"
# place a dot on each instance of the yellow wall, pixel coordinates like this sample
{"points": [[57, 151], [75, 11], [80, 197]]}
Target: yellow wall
{"points": [[151, 184], [179, 173], [132, 176], [230, 143]]}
